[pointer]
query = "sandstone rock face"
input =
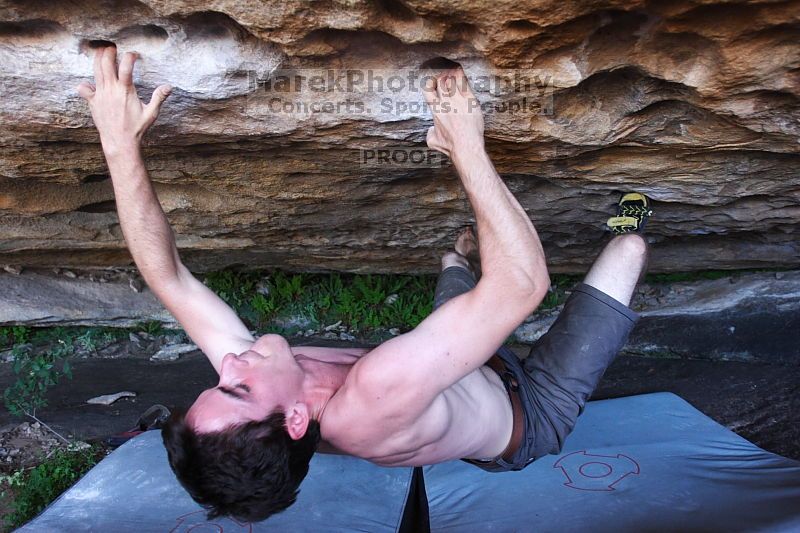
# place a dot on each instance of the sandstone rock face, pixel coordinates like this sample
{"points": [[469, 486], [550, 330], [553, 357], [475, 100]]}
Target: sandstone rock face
{"points": [[694, 103], [37, 299]]}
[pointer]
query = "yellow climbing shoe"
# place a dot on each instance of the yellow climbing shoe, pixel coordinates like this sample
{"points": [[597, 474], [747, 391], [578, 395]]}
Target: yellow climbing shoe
{"points": [[633, 210]]}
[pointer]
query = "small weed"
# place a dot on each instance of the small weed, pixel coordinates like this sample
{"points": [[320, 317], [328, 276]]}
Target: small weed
{"points": [[263, 307], [152, 327], [409, 310], [237, 289], [33, 489], [559, 285], [21, 334], [88, 341], [10, 335], [91, 339]]}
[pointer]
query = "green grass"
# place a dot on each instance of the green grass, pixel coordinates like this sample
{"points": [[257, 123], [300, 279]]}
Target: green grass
{"points": [[361, 302], [559, 285], [31, 490], [87, 337]]}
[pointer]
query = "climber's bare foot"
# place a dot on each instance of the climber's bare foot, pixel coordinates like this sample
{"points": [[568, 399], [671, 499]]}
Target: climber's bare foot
{"points": [[467, 243], [466, 255]]}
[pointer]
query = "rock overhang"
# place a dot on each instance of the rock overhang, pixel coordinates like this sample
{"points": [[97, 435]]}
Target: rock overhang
{"points": [[695, 104]]}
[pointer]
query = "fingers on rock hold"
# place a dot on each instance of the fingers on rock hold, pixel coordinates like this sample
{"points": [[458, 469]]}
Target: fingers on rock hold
{"points": [[126, 67], [159, 95], [85, 90]]}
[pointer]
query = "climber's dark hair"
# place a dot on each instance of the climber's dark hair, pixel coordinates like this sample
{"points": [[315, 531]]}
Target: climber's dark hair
{"points": [[249, 472]]}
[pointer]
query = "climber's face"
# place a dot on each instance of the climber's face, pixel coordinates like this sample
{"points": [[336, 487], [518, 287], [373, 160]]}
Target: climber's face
{"points": [[252, 385]]}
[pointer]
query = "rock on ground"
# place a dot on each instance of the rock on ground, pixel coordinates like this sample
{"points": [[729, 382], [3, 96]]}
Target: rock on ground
{"points": [[108, 399], [173, 352], [694, 103]]}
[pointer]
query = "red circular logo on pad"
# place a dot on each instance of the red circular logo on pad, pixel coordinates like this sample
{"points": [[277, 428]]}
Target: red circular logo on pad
{"points": [[589, 471]]}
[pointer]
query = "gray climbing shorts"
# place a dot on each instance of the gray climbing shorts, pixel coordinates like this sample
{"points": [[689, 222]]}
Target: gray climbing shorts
{"points": [[562, 369]]}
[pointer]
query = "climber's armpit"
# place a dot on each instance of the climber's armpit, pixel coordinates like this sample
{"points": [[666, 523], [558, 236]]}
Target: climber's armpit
{"points": [[207, 319]]}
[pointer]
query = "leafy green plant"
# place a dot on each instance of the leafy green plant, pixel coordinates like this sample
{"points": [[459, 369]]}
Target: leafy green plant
{"points": [[33, 489], [369, 289], [263, 306], [358, 301], [346, 306], [88, 341], [36, 373], [408, 310], [238, 289], [91, 339], [151, 327], [21, 334], [287, 288], [10, 335], [233, 287], [557, 294]]}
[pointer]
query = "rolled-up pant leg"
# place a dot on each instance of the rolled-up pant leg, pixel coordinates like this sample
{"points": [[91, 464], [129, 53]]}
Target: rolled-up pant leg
{"points": [[452, 281], [566, 363]]}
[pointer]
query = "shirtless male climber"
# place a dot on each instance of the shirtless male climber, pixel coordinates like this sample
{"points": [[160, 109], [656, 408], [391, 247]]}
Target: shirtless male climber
{"points": [[443, 391]]}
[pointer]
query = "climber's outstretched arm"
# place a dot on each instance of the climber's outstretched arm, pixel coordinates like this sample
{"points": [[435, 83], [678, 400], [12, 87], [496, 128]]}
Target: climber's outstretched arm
{"points": [[122, 120]]}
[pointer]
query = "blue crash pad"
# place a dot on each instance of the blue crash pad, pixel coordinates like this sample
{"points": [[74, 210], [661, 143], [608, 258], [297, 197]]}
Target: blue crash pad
{"points": [[641, 463], [133, 489]]}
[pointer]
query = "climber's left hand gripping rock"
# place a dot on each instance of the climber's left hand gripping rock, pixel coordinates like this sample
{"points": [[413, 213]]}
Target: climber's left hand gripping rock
{"points": [[457, 117], [120, 117]]}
